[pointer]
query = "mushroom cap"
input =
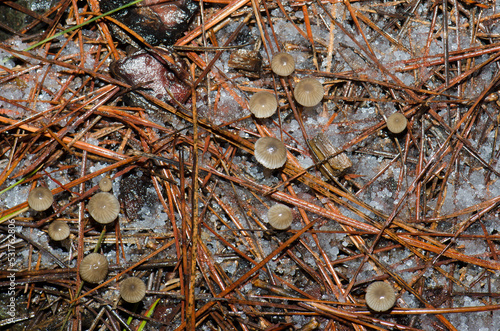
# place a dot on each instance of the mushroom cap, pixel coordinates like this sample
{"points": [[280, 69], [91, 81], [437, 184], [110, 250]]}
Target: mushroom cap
{"points": [[58, 230], [270, 152], [104, 207], [132, 289], [380, 296], [40, 198], [308, 92], [396, 123], [282, 64], [280, 216], [263, 104], [105, 184], [94, 268]]}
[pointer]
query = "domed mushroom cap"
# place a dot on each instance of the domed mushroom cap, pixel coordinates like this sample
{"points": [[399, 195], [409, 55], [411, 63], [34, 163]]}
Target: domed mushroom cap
{"points": [[40, 198], [104, 207], [132, 289], [263, 104], [58, 230], [105, 184], [380, 296], [396, 123], [282, 64], [308, 92], [280, 216], [270, 152], [94, 268]]}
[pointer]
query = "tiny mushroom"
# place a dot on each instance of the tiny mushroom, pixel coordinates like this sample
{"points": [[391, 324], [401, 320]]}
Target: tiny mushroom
{"points": [[132, 289], [282, 64], [308, 92], [380, 296], [94, 268], [396, 123], [40, 198], [105, 184], [104, 207], [58, 230], [270, 152], [263, 104], [279, 216]]}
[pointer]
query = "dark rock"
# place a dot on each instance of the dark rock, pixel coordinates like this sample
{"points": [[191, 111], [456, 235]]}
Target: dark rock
{"points": [[144, 71], [17, 20], [158, 22]]}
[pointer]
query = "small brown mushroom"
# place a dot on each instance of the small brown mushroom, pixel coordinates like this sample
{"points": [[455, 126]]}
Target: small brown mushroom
{"points": [[270, 152], [280, 216], [263, 104], [308, 92], [104, 207], [380, 296], [132, 289], [40, 198], [94, 268], [396, 123], [58, 230], [105, 184], [282, 64]]}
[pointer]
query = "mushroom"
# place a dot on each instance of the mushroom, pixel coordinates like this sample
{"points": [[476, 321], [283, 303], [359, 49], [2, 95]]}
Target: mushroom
{"points": [[270, 152], [94, 268], [308, 92], [282, 64], [396, 123], [380, 296], [104, 207], [132, 289], [279, 216], [40, 198], [105, 184], [58, 230], [263, 104]]}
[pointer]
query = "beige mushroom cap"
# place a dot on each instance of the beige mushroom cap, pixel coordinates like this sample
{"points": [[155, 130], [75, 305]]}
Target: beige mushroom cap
{"points": [[380, 296], [106, 184], [263, 104], [270, 152], [132, 289], [40, 198], [58, 230], [308, 92], [396, 123], [104, 207], [94, 268], [282, 64], [280, 216]]}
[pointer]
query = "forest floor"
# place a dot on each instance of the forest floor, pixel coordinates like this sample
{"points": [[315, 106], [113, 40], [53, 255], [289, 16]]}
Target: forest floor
{"points": [[163, 112]]}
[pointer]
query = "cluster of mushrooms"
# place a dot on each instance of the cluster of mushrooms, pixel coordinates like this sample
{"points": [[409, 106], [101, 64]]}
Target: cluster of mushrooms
{"points": [[269, 151], [272, 154], [104, 209]]}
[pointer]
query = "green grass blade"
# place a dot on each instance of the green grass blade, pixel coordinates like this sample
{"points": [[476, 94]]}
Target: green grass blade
{"points": [[82, 24], [148, 314]]}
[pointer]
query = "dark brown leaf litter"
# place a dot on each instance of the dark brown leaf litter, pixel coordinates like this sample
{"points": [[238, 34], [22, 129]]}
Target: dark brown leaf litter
{"points": [[248, 61], [137, 195]]}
